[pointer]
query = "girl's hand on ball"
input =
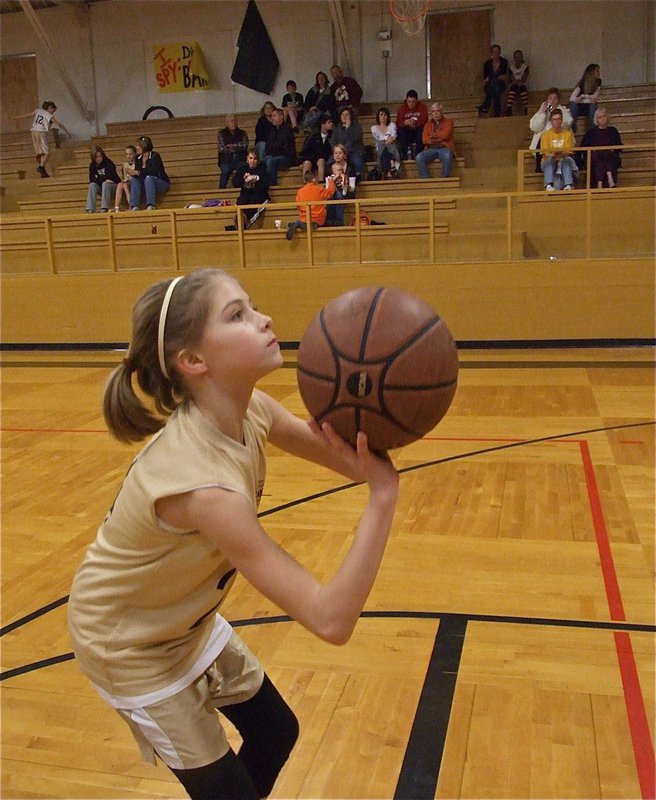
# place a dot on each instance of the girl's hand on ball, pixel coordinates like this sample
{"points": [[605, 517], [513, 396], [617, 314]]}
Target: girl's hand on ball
{"points": [[364, 465]]}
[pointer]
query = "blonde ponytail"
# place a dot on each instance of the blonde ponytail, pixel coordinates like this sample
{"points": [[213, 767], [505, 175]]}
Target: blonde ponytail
{"points": [[127, 418]]}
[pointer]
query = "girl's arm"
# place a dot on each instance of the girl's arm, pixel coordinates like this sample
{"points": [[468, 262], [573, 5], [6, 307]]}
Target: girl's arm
{"points": [[331, 610], [307, 440]]}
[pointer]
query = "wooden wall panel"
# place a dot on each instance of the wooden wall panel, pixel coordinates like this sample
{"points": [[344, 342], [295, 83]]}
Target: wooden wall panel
{"points": [[503, 300]]}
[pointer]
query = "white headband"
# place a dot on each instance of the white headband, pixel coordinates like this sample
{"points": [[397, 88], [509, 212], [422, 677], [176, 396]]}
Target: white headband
{"points": [[162, 325]]}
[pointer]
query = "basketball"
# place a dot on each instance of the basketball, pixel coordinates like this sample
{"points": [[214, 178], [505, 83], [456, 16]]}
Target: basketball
{"points": [[381, 361]]}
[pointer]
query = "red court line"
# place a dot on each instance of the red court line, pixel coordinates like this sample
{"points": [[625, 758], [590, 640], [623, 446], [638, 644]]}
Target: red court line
{"points": [[608, 572], [643, 748]]}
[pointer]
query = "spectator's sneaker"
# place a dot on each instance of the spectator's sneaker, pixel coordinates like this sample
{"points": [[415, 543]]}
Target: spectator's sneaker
{"points": [[151, 208], [104, 210], [568, 188], [291, 230], [42, 171], [550, 187], [134, 208], [231, 227]]}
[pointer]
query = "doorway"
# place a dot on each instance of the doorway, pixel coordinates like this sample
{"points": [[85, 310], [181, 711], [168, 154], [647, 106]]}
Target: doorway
{"points": [[458, 44]]}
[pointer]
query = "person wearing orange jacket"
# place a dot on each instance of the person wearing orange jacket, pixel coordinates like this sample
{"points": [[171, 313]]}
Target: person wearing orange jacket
{"points": [[439, 143], [309, 192]]}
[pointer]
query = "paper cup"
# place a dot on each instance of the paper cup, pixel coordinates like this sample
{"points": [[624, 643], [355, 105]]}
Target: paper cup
{"points": [[278, 223], [351, 183]]}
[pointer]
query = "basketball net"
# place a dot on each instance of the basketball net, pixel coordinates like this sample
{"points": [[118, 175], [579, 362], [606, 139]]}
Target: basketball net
{"points": [[410, 14]]}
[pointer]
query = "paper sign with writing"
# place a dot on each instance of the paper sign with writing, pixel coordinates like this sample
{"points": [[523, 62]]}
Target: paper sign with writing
{"points": [[180, 67]]}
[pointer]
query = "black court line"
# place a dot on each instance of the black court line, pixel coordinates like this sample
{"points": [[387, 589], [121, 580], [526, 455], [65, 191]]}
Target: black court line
{"points": [[326, 492], [610, 364], [422, 761], [459, 619]]}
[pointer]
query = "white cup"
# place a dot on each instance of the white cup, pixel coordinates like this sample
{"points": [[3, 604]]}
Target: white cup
{"points": [[327, 182], [352, 184], [279, 224]]}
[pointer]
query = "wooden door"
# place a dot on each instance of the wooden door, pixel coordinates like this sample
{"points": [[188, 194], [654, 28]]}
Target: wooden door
{"points": [[19, 90], [459, 42]]}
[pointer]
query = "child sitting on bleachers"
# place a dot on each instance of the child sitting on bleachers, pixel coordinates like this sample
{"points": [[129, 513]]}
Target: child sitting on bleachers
{"points": [[123, 188], [309, 192]]}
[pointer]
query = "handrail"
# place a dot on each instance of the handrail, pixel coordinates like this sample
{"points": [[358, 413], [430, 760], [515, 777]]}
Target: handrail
{"points": [[523, 153], [428, 222]]}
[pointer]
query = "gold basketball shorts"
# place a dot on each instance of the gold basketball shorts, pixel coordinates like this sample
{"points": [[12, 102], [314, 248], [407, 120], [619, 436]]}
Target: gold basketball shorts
{"points": [[184, 730]]}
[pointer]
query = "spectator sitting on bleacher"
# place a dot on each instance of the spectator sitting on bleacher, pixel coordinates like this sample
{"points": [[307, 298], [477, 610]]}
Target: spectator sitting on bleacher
{"points": [[541, 121], [387, 151], [280, 146], [318, 101], [558, 164], [253, 181], [349, 134], [518, 76], [344, 187], [604, 164], [410, 120], [585, 94], [495, 74], [123, 188], [263, 128], [103, 179], [309, 192], [438, 142], [346, 91], [232, 145], [292, 105], [148, 174], [317, 148]]}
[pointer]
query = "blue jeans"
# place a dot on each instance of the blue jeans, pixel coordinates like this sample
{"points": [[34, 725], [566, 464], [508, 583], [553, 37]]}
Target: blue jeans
{"points": [[107, 192], [579, 109], [273, 164], [559, 178], [431, 154], [229, 164], [335, 214], [152, 185]]}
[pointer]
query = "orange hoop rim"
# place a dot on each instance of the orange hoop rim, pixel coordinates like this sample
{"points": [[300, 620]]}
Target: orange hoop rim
{"points": [[400, 18]]}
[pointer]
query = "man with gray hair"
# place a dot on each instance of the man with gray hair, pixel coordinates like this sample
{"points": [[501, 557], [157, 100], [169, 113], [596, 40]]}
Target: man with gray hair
{"points": [[437, 137]]}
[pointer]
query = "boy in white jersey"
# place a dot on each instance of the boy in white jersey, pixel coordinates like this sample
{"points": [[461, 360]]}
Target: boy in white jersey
{"points": [[42, 119], [143, 606]]}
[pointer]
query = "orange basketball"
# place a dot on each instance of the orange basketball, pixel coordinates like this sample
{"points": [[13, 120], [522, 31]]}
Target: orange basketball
{"points": [[381, 361]]}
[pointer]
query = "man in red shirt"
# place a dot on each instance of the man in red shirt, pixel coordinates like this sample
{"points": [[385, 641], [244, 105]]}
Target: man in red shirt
{"points": [[410, 120], [438, 142]]}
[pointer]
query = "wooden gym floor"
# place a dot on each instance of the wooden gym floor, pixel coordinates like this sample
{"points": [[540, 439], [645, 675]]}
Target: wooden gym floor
{"points": [[507, 648]]}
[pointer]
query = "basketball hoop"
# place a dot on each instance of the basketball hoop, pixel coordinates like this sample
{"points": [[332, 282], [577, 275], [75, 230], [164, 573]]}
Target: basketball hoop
{"points": [[410, 14]]}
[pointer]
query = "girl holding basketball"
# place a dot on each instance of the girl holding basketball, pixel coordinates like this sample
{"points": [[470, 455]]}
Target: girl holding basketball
{"points": [[143, 606]]}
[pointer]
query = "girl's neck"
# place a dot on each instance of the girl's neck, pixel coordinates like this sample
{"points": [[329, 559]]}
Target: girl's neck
{"points": [[224, 410]]}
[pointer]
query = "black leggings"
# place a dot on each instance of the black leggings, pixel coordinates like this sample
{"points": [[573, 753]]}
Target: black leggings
{"points": [[269, 730]]}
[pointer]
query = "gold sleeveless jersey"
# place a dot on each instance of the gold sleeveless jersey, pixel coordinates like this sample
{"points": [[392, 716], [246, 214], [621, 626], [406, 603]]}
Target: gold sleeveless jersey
{"points": [[143, 602]]}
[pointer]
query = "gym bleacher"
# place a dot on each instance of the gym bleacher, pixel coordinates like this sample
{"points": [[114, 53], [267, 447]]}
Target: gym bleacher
{"points": [[493, 208]]}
